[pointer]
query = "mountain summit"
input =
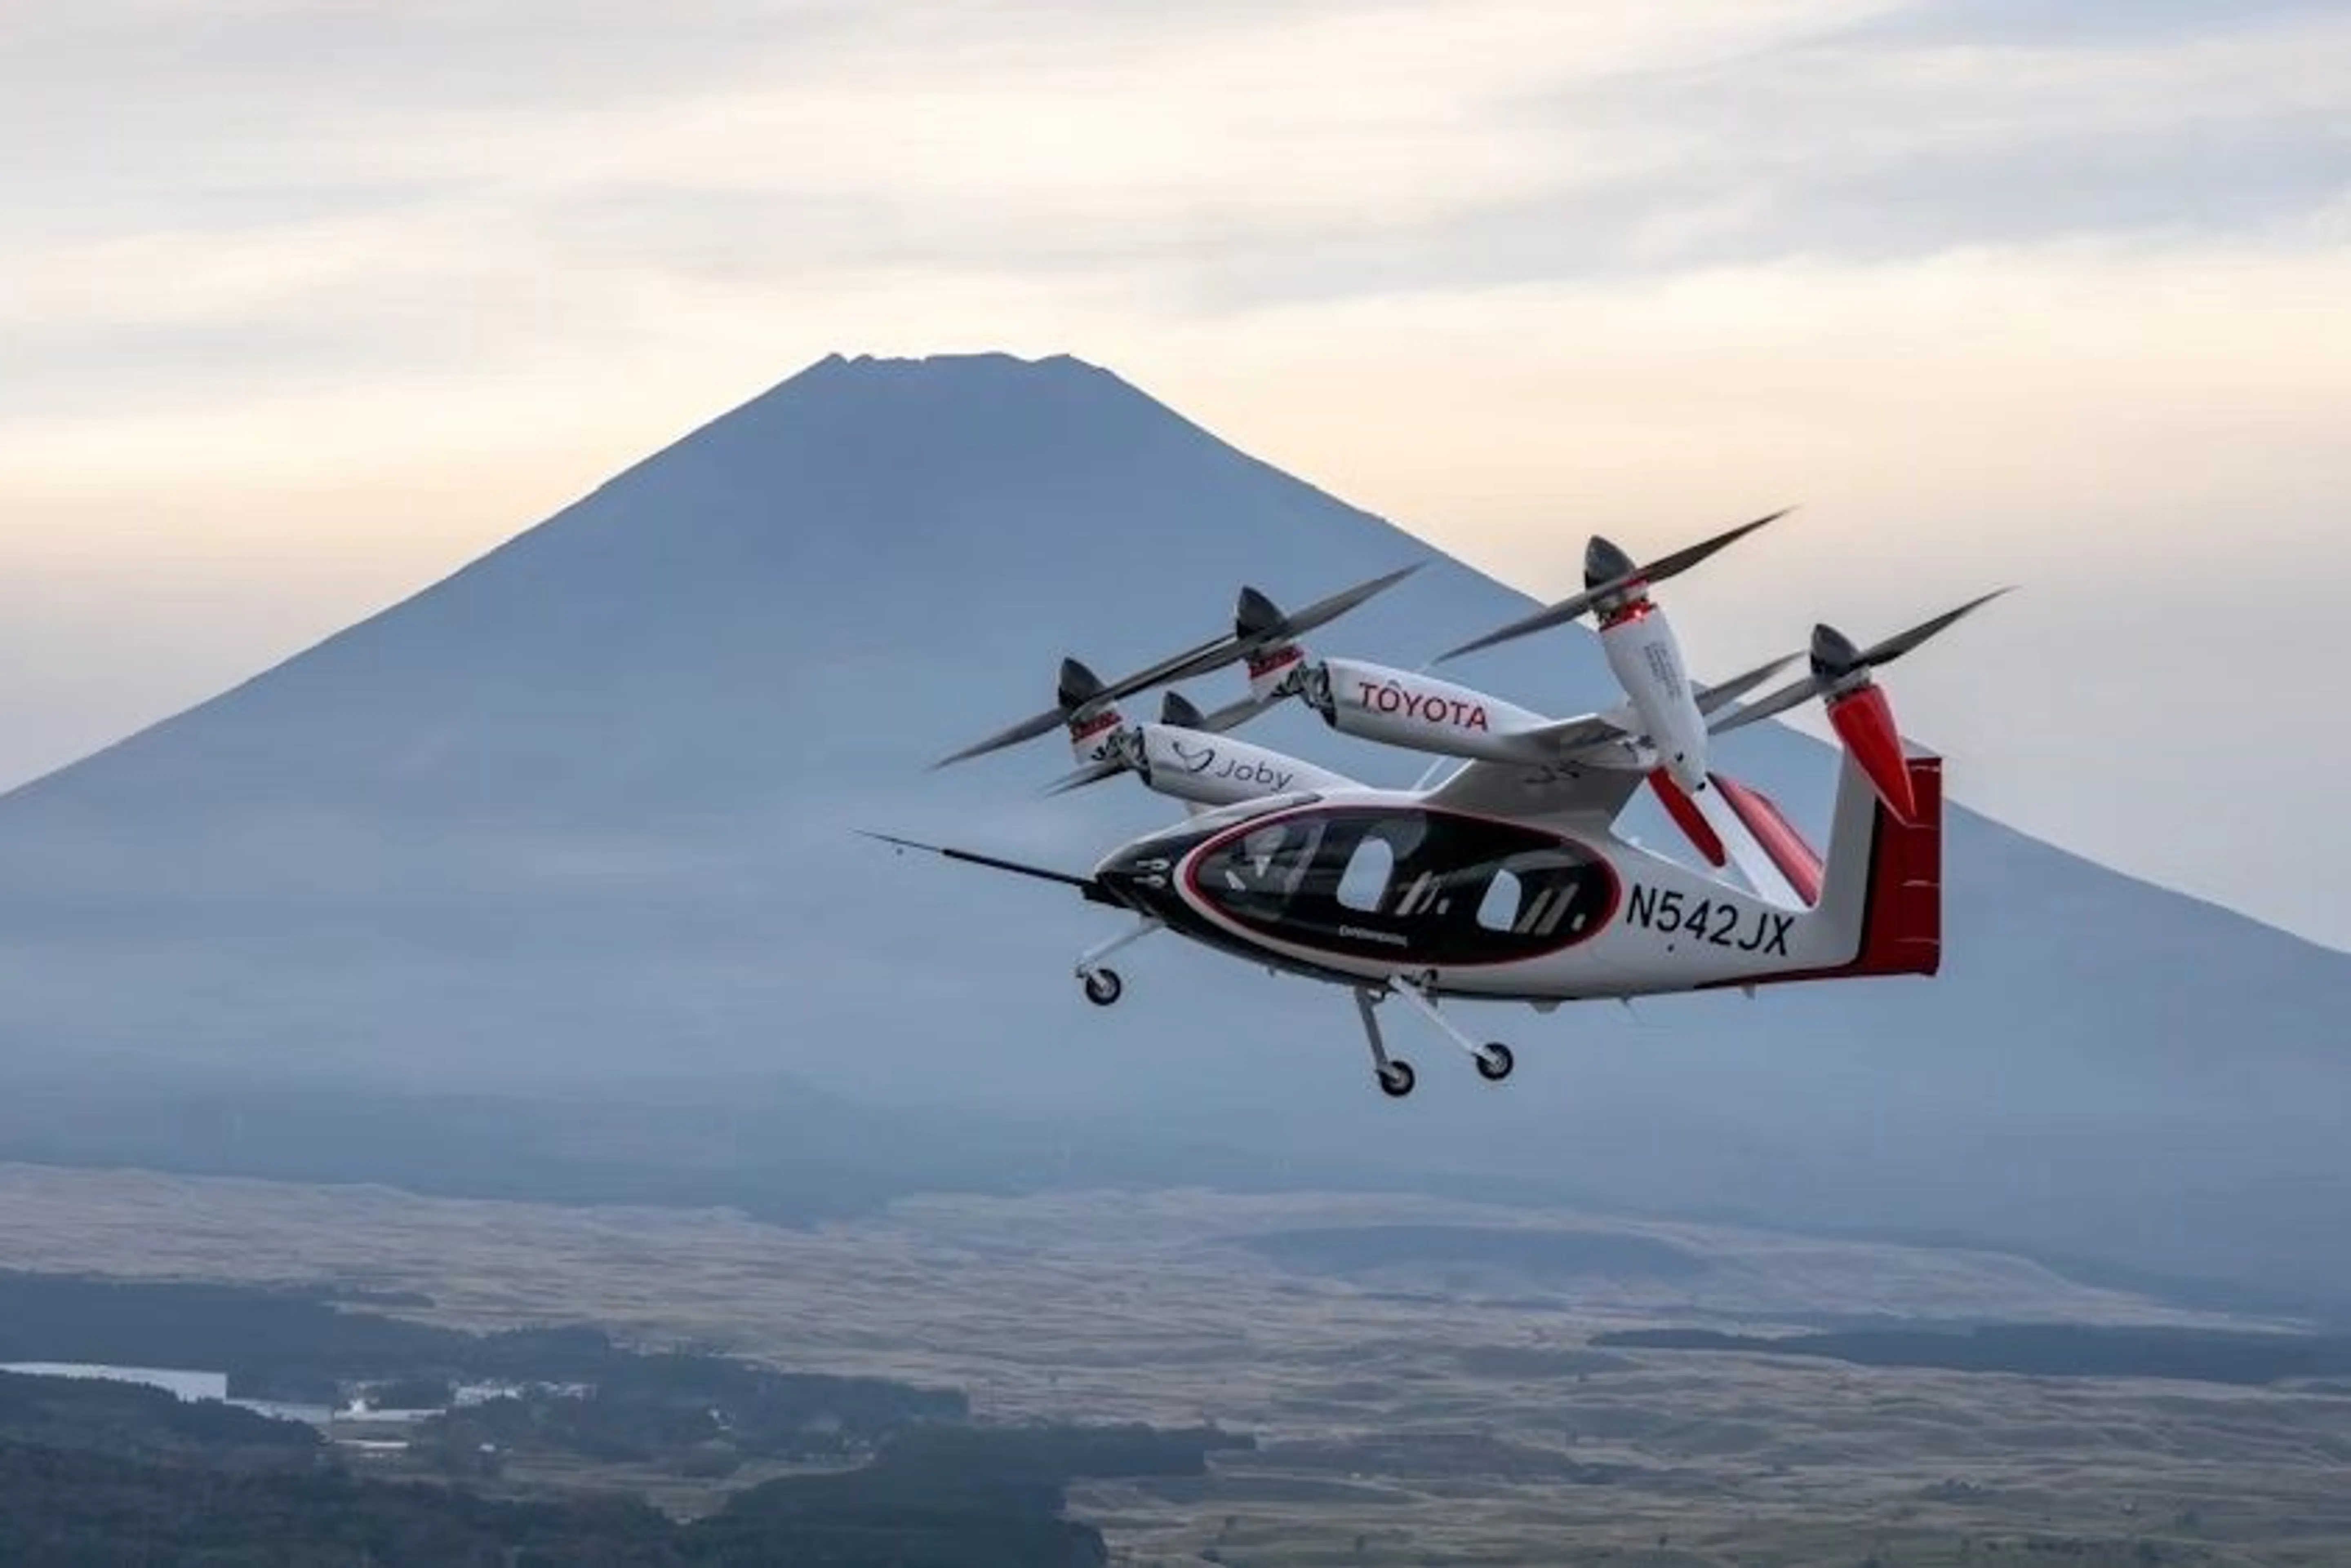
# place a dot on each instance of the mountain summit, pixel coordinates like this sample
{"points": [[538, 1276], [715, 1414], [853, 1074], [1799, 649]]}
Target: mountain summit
{"points": [[582, 812]]}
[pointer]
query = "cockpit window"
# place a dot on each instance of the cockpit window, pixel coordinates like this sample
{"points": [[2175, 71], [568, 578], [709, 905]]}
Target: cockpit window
{"points": [[1498, 910], [1407, 883], [1365, 881], [1260, 873]]}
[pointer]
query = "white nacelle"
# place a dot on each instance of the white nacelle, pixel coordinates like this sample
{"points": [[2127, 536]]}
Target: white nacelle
{"points": [[1396, 707], [1647, 662], [1217, 771], [1272, 669]]}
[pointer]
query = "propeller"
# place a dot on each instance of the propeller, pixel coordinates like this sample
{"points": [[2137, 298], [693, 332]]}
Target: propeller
{"points": [[1858, 708], [1257, 623], [1608, 572], [1177, 712], [1836, 662]]}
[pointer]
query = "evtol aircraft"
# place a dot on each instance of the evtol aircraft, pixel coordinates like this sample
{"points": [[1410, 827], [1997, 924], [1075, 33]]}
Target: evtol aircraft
{"points": [[1502, 874]]}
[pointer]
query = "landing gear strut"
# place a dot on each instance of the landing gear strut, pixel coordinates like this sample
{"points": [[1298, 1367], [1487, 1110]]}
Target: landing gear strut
{"points": [[1102, 986], [1394, 1075], [1493, 1058]]}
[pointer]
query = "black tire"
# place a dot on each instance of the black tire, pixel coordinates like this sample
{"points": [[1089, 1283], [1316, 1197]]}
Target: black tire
{"points": [[1103, 987], [1397, 1079], [1495, 1062]]}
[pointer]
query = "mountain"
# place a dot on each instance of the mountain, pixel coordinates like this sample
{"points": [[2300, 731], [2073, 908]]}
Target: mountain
{"points": [[578, 820]]}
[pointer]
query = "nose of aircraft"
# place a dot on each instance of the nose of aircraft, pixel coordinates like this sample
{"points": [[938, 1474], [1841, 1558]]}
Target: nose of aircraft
{"points": [[1139, 875]]}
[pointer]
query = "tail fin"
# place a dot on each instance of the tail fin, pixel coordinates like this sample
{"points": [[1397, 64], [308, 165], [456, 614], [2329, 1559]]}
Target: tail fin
{"points": [[1882, 897], [1880, 906]]}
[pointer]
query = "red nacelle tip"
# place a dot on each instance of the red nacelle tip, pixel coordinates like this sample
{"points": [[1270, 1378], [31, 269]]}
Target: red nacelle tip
{"points": [[1864, 720]]}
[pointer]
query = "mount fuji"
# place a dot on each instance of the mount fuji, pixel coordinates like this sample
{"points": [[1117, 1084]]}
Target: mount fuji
{"points": [[578, 820]]}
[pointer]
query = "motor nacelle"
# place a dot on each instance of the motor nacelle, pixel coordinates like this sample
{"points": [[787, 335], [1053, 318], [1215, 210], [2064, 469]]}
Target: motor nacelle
{"points": [[1647, 660], [1216, 769], [1863, 719], [1396, 707]]}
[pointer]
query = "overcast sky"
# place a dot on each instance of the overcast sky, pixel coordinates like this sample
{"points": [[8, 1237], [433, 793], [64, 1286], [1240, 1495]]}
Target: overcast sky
{"points": [[303, 304]]}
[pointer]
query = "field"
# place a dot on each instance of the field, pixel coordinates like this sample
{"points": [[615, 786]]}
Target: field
{"points": [[1417, 1373]]}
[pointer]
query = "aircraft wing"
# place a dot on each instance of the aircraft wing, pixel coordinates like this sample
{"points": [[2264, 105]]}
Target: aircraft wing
{"points": [[1537, 789], [1566, 737], [1572, 735]]}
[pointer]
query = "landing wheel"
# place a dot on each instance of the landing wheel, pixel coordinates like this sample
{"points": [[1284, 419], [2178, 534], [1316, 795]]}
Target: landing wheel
{"points": [[1495, 1062], [1103, 987], [1396, 1078]]}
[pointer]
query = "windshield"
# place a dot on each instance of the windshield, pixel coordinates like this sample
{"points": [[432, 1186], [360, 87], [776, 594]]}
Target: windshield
{"points": [[1434, 887]]}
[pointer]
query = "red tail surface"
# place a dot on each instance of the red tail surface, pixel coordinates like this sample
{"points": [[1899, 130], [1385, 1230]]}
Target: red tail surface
{"points": [[1895, 898]]}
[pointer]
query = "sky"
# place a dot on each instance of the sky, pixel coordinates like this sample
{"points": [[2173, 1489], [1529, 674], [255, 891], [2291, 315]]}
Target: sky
{"points": [[303, 304]]}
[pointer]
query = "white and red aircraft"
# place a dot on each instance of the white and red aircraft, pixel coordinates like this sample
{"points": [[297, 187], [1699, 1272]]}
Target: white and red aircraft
{"points": [[1507, 879]]}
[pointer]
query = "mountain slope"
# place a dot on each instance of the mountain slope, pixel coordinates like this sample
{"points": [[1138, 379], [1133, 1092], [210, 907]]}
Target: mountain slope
{"points": [[581, 814]]}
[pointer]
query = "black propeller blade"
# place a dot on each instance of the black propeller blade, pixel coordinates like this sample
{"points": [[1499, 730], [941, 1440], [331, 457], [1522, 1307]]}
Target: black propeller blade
{"points": [[1834, 660], [1213, 654], [1608, 570]]}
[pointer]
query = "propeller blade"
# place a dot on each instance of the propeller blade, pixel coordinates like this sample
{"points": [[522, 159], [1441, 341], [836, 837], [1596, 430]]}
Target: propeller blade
{"points": [[1778, 703], [1095, 695], [1681, 560], [1711, 698], [1232, 716], [1568, 609], [1211, 654], [1832, 661], [1091, 773], [1901, 643], [1322, 611], [1198, 660], [1027, 729]]}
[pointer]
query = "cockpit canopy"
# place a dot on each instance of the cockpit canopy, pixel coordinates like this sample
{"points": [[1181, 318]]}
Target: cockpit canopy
{"points": [[1420, 886]]}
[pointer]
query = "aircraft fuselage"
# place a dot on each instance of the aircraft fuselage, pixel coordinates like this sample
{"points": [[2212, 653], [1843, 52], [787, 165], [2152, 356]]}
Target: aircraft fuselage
{"points": [[1362, 885]]}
